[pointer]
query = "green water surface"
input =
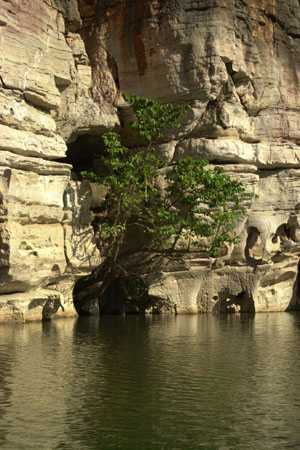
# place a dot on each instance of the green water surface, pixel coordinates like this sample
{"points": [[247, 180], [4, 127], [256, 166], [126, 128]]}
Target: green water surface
{"points": [[154, 383]]}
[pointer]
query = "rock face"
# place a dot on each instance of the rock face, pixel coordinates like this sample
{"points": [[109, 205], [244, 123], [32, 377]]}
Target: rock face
{"points": [[237, 64], [229, 289], [46, 238], [62, 67]]}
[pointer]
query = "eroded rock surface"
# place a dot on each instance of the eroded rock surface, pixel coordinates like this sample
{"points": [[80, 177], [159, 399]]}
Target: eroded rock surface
{"points": [[237, 64], [46, 238], [63, 65], [270, 287]]}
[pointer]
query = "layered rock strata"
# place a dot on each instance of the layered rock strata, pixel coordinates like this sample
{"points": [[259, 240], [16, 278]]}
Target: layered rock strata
{"points": [[237, 64], [46, 238], [63, 65]]}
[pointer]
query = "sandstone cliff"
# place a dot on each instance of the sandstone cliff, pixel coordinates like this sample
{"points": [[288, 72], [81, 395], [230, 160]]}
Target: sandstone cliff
{"points": [[62, 66], [46, 100]]}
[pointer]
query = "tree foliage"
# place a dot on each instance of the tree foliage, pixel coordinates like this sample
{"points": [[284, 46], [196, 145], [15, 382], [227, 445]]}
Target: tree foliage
{"points": [[154, 118], [157, 208], [188, 199]]}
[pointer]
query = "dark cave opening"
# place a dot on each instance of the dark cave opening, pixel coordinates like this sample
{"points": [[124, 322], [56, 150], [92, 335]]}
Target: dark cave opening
{"points": [[226, 302], [286, 232], [121, 296], [85, 153], [253, 239]]}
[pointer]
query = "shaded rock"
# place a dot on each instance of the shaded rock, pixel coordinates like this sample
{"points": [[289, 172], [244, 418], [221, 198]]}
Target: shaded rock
{"points": [[231, 288], [40, 304]]}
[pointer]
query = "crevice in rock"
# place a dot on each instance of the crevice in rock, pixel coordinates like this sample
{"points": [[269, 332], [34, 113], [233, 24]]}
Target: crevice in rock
{"points": [[253, 250], [242, 85], [84, 153], [226, 302], [124, 295], [264, 172], [285, 232], [276, 21], [122, 298], [2, 83], [200, 8], [295, 301], [69, 9]]}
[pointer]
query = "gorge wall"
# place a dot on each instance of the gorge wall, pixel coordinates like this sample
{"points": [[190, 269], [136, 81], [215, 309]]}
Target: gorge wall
{"points": [[63, 64]]}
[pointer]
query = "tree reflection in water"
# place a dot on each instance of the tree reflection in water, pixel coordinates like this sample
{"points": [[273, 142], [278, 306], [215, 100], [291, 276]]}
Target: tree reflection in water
{"points": [[135, 383]]}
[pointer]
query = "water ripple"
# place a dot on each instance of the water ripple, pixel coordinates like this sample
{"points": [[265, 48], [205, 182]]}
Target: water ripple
{"points": [[170, 383]]}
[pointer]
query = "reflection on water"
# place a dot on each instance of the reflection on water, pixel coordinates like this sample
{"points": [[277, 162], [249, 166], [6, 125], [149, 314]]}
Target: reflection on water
{"points": [[173, 383]]}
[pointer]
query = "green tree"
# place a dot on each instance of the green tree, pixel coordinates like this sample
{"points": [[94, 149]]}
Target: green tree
{"points": [[161, 204]]}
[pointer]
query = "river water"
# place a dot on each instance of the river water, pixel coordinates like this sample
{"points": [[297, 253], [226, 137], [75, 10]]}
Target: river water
{"points": [[154, 383]]}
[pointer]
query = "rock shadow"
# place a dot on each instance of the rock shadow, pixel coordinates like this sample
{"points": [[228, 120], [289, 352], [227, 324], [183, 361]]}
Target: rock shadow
{"points": [[226, 302]]}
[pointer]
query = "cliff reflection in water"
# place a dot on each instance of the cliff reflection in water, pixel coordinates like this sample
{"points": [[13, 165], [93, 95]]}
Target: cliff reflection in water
{"points": [[193, 382]]}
